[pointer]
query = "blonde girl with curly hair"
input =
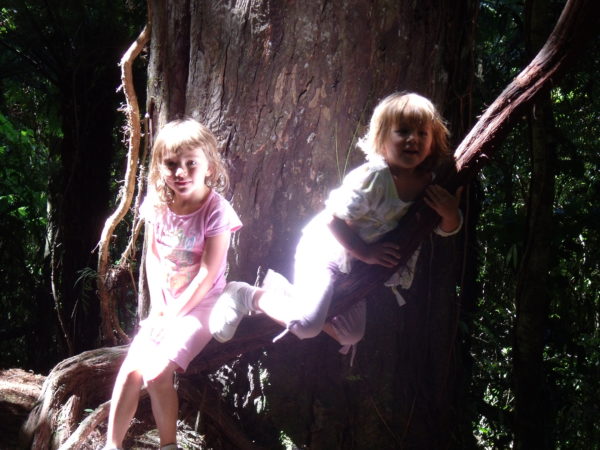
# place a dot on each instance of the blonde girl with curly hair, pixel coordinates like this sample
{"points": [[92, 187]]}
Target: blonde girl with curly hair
{"points": [[189, 225]]}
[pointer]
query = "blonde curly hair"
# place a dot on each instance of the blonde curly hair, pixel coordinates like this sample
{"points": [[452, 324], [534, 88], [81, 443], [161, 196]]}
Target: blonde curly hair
{"points": [[178, 136], [405, 107]]}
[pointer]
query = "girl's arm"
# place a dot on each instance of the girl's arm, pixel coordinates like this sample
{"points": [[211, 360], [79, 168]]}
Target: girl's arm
{"points": [[153, 275], [215, 252], [382, 253]]}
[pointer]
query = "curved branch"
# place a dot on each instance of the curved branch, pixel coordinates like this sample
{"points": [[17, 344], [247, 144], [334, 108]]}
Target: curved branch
{"points": [[110, 329], [85, 428], [578, 20]]}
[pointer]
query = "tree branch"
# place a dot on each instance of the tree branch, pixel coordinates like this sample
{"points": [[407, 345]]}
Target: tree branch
{"points": [[111, 331]]}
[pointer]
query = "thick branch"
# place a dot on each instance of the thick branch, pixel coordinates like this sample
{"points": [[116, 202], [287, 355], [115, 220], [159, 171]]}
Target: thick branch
{"points": [[578, 20]]}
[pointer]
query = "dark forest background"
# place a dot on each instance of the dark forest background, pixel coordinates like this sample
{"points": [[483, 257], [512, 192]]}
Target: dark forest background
{"points": [[533, 225]]}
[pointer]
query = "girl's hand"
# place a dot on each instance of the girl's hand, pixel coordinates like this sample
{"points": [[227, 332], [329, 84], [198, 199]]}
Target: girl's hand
{"points": [[445, 204], [383, 253], [158, 330], [156, 324]]}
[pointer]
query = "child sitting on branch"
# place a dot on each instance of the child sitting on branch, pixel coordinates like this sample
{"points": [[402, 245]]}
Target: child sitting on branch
{"points": [[189, 226]]}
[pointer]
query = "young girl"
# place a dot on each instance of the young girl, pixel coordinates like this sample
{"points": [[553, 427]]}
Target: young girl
{"points": [[406, 140], [189, 226]]}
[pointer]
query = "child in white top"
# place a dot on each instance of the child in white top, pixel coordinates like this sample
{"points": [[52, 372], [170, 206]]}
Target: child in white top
{"points": [[406, 140], [189, 227]]}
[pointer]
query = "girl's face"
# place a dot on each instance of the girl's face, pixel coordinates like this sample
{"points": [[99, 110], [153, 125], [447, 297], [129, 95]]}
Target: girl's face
{"points": [[408, 144], [185, 173]]}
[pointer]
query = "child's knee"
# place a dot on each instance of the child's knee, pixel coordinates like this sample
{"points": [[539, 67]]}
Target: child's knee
{"points": [[349, 327], [160, 381], [159, 371], [349, 336], [131, 377], [128, 379]]}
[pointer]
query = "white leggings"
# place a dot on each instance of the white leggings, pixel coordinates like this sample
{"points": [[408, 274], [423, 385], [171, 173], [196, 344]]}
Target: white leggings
{"points": [[305, 305]]}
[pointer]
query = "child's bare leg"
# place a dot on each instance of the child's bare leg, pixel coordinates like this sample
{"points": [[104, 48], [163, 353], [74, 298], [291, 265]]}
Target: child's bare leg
{"points": [[165, 404], [124, 402]]}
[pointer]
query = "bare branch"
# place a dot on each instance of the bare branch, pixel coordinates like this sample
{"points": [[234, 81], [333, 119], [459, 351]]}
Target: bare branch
{"points": [[111, 331]]}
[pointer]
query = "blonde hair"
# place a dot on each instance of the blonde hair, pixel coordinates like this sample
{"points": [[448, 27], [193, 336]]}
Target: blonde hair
{"points": [[178, 136], [406, 107]]}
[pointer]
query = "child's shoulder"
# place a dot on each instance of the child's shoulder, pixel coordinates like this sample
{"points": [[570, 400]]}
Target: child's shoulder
{"points": [[218, 200], [151, 208], [371, 169]]}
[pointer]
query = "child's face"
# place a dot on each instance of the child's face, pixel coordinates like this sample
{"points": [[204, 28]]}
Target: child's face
{"points": [[408, 144], [185, 173]]}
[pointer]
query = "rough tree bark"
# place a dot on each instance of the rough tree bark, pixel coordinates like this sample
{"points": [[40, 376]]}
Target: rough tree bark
{"points": [[288, 88], [296, 109], [19, 393]]}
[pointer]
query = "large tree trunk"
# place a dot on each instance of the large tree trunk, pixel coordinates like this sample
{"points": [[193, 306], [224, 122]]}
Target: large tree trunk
{"points": [[289, 87]]}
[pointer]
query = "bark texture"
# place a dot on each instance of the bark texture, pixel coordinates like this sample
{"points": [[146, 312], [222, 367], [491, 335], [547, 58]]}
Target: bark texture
{"points": [[19, 392], [288, 87]]}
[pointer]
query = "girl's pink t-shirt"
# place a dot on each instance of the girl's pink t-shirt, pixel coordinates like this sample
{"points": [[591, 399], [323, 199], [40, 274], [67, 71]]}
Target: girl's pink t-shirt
{"points": [[180, 241]]}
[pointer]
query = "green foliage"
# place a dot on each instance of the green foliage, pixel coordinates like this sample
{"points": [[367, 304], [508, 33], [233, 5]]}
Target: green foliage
{"points": [[58, 76], [572, 356], [22, 224]]}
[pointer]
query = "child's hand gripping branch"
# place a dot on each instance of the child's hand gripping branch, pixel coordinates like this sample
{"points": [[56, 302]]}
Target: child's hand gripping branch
{"points": [[446, 205], [385, 254]]}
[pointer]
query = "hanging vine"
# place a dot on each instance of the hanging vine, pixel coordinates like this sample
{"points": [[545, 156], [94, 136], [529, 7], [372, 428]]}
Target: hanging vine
{"points": [[110, 329]]}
